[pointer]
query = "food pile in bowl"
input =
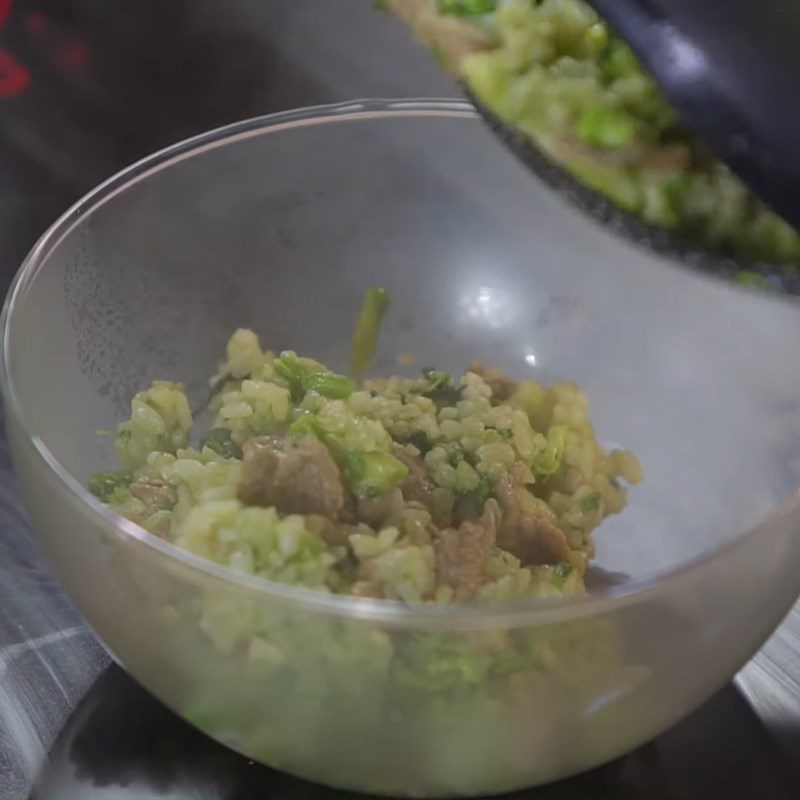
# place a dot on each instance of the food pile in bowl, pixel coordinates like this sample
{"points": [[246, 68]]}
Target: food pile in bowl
{"points": [[428, 489], [556, 73]]}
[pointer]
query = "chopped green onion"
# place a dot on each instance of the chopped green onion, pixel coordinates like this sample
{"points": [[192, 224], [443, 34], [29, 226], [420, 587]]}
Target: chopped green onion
{"points": [[307, 425], [367, 474], [469, 505], [293, 372], [753, 280], [549, 460], [618, 60], [220, 440], [480, 494], [437, 378], [605, 127], [331, 385], [591, 502], [561, 573], [467, 8], [365, 335], [441, 387], [106, 486], [371, 474], [454, 453], [302, 378], [484, 491]]}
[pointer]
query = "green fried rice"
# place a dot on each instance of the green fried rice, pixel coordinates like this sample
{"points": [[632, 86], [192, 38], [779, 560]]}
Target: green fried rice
{"points": [[554, 71], [424, 490]]}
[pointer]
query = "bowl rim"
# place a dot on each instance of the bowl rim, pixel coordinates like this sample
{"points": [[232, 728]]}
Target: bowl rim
{"points": [[532, 611]]}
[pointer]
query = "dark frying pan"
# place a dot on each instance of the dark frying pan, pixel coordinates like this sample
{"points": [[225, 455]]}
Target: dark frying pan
{"points": [[731, 68]]}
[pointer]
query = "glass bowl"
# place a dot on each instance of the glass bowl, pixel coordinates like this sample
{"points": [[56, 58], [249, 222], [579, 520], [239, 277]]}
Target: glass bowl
{"points": [[279, 224]]}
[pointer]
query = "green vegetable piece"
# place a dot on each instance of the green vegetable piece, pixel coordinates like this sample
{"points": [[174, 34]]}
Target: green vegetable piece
{"points": [[753, 280], [469, 505], [549, 460], [669, 210], [591, 502], [220, 440], [331, 385], [618, 61], [441, 387], [438, 380], [365, 335], [604, 127], [371, 474], [302, 379], [467, 8], [561, 572], [366, 474], [109, 486], [483, 491], [454, 452], [294, 373], [597, 37], [309, 425], [466, 669], [304, 425]]}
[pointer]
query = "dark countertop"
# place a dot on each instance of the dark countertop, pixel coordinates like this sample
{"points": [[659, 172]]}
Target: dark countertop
{"points": [[122, 743], [86, 87]]}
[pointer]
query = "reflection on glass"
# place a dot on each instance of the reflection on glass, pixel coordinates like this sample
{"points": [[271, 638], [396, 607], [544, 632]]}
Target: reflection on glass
{"points": [[487, 306]]}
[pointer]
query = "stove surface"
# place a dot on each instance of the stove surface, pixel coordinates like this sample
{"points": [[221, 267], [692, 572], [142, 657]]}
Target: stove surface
{"points": [[122, 743]]}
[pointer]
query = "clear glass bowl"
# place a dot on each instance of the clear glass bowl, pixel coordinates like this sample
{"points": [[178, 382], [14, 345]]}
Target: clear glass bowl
{"points": [[279, 224]]}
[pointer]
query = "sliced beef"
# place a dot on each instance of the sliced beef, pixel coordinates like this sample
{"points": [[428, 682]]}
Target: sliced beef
{"points": [[461, 553], [294, 477], [155, 493], [277, 443], [533, 539], [418, 485], [332, 532]]}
